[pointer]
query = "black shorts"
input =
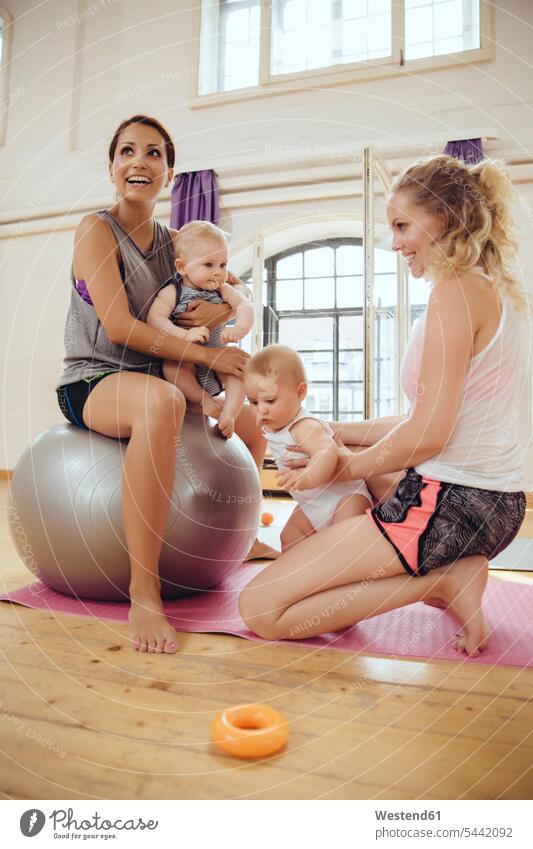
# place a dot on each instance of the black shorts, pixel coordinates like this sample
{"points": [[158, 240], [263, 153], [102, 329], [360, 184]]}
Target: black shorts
{"points": [[72, 397], [431, 523]]}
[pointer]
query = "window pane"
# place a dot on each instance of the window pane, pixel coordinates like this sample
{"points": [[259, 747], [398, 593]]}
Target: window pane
{"points": [[385, 335], [318, 365], [350, 259], [448, 19], [354, 9], [351, 398], [419, 51], [354, 40], [418, 25], [385, 290], [289, 295], [319, 293], [448, 45], [366, 35], [419, 290], [379, 35], [307, 333], [237, 25], [351, 417], [319, 398], [350, 292], [310, 34], [351, 365], [385, 262], [434, 27], [229, 45], [289, 266], [240, 33], [351, 331], [319, 262]]}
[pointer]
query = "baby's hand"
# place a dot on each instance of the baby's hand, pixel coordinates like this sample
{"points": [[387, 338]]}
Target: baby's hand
{"points": [[295, 481], [230, 334], [197, 334]]}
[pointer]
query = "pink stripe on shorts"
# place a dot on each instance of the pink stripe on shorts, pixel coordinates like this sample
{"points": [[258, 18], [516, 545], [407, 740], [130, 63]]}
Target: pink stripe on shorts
{"points": [[404, 535]]}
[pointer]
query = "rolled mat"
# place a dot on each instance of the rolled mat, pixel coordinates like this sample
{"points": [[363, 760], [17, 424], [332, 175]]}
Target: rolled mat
{"points": [[417, 631]]}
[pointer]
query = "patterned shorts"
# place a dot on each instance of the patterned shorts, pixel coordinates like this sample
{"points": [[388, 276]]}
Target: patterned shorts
{"points": [[431, 523]]}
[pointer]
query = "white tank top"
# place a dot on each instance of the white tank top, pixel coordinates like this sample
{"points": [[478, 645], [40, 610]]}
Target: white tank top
{"points": [[484, 449]]}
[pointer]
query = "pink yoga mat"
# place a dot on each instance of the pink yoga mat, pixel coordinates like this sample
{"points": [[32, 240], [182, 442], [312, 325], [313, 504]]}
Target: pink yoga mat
{"points": [[416, 631]]}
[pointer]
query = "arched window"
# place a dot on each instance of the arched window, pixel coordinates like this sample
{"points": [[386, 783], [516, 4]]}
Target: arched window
{"points": [[313, 298]]}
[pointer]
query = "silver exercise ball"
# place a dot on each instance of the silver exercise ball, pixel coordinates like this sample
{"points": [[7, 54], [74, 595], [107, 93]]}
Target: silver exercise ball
{"points": [[65, 512]]}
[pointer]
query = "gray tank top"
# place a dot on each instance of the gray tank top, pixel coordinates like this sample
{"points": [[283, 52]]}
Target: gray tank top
{"points": [[89, 351]]}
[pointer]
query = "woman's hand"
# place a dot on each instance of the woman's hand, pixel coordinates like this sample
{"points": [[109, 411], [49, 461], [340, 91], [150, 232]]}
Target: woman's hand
{"points": [[229, 360], [295, 462], [205, 314]]}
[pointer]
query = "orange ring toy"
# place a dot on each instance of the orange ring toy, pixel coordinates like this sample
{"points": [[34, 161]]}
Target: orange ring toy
{"points": [[249, 731]]}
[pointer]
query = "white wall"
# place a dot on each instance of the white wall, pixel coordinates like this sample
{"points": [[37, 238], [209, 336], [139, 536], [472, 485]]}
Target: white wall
{"points": [[75, 82]]}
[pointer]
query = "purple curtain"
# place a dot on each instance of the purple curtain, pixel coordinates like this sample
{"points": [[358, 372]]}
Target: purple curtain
{"points": [[194, 198], [469, 150]]}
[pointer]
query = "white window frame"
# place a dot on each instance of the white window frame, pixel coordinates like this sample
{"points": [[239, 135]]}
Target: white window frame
{"points": [[4, 71], [389, 66]]}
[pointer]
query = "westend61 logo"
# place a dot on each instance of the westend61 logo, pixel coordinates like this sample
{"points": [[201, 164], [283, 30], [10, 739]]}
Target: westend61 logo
{"points": [[33, 820]]}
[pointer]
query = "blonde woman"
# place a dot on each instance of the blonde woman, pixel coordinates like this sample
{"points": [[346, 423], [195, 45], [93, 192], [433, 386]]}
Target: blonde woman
{"points": [[461, 501]]}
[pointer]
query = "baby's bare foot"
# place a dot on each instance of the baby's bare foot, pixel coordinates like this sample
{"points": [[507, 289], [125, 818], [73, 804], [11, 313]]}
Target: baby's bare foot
{"points": [[463, 589], [212, 406], [150, 630], [226, 424]]}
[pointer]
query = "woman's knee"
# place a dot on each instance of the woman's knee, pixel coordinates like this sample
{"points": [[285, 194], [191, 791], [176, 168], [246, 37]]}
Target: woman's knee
{"points": [[262, 623], [164, 406]]}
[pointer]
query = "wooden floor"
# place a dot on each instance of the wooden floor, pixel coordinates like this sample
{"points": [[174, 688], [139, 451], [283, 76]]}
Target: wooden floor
{"points": [[84, 717]]}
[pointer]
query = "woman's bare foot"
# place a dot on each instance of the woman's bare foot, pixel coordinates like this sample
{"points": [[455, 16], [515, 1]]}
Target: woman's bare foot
{"points": [[212, 406], [226, 424], [461, 592], [150, 630]]}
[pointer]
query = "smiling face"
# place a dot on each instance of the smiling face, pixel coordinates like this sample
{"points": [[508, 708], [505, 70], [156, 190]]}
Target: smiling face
{"points": [[204, 264], [276, 400], [139, 169], [414, 231]]}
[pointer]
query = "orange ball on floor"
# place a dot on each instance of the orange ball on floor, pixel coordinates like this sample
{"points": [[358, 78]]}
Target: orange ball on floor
{"points": [[267, 519]]}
